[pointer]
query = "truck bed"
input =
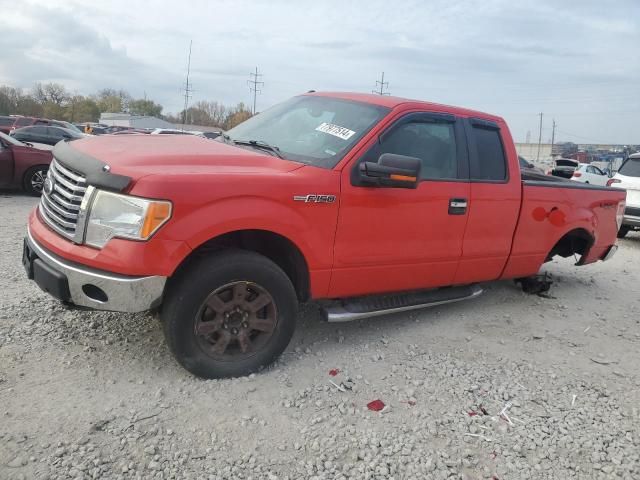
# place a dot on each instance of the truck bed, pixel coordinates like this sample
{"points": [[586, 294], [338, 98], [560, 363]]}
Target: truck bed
{"points": [[553, 207]]}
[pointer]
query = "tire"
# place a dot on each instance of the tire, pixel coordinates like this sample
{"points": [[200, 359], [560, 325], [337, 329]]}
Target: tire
{"points": [[33, 180], [624, 229], [210, 342]]}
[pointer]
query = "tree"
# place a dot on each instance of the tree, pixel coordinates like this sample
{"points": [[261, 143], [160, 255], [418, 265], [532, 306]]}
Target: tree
{"points": [[237, 115], [145, 107], [82, 109], [110, 100], [50, 93]]}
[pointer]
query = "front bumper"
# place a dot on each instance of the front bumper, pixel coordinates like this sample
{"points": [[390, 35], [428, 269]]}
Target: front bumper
{"points": [[88, 287]]}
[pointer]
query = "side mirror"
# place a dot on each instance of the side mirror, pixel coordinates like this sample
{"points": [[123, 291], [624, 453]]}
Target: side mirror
{"points": [[392, 170]]}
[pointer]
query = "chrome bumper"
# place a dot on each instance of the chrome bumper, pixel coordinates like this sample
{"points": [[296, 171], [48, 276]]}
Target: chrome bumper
{"points": [[96, 289]]}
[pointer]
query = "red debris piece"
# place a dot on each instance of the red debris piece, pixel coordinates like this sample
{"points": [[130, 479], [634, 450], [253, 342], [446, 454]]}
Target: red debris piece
{"points": [[333, 372], [494, 478], [376, 405], [493, 455], [411, 402], [473, 413]]}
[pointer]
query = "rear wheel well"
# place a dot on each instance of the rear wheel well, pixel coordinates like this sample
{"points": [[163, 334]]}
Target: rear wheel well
{"points": [[577, 241], [279, 249]]}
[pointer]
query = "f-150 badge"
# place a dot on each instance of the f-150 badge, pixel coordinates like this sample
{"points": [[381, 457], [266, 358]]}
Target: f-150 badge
{"points": [[315, 198]]}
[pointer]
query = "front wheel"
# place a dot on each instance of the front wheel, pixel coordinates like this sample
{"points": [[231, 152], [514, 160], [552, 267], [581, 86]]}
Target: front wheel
{"points": [[33, 180], [229, 314]]}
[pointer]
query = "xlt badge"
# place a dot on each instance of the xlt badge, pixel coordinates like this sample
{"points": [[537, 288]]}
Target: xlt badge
{"points": [[315, 198]]}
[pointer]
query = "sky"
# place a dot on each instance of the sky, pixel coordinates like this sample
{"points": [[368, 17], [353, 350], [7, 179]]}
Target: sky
{"points": [[577, 62]]}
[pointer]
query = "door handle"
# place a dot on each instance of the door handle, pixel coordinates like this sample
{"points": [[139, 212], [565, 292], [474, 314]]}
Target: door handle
{"points": [[458, 206]]}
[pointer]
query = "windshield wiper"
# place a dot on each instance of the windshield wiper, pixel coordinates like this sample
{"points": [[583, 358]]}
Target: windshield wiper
{"points": [[260, 144]]}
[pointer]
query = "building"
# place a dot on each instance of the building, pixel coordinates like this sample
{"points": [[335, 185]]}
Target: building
{"points": [[133, 121]]}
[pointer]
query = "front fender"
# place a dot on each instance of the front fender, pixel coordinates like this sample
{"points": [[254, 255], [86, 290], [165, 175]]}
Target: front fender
{"points": [[311, 230]]}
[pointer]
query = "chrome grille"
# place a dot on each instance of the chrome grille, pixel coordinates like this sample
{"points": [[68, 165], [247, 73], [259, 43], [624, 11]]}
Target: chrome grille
{"points": [[60, 202]]}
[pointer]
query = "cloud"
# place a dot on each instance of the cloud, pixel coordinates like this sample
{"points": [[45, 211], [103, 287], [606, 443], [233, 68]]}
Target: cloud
{"points": [[511, 58]]}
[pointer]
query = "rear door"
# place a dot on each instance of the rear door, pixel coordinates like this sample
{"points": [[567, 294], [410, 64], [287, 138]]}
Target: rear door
{"points": [[494, 203], [394, 239]]}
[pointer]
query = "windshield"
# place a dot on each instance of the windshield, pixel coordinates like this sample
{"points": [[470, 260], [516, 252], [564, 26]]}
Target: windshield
{"points": [[630, 168], [309, 129], [7, 139]]}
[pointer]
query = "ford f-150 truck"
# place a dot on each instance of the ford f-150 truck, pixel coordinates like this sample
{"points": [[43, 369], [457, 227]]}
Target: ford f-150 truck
{"points": [[369, 204]]}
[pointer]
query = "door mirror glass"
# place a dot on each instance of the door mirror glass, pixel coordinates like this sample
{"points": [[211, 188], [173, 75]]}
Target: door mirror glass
{"points": [[392, 170]]}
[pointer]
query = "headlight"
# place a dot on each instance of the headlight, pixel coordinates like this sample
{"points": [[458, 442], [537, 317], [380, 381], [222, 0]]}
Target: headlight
{"points": [[114, 215]]}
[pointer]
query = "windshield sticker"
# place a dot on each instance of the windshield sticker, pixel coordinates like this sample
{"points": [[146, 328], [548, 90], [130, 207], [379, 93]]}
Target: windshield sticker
{"points": [[335, 130]]}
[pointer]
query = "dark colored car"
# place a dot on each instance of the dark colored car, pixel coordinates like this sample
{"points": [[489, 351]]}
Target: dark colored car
{"points": [[527, 167], [45, 134], [22, 165], [211, 135]]}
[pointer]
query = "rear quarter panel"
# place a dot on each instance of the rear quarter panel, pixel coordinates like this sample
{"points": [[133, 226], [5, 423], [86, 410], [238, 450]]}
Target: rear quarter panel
{"points": [[550, 212], [25, 158]]}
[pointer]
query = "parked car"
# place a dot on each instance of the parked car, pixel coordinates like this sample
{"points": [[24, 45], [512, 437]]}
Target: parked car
{"points": [[628, 177], [47, 134], [564, 167], [587, 173], [13, 122], [211, 135], [67, 125], [6, 123], [22, 165], [371, 204], [174, 131], [528, 167]]}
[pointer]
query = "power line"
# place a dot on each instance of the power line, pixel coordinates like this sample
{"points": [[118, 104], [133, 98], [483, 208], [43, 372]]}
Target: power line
{"points": [[187, 88], [253, 86], [383, 86]]}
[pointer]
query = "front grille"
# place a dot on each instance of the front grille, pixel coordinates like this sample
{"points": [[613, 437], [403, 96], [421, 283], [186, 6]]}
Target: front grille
{"points": [[60, 202], [633, 211]]}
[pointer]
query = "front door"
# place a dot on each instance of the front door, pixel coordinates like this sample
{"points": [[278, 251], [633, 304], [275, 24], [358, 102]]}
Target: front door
{"points": [[6, 165], [395, 239]]}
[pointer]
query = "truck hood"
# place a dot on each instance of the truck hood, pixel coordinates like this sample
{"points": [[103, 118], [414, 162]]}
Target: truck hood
{"points": [[136, 156]]}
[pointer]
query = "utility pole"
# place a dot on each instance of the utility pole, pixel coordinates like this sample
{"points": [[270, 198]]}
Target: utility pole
{"points": [[553, 135], [254, 86], [539, 137], [382, 85], [187, 88]]}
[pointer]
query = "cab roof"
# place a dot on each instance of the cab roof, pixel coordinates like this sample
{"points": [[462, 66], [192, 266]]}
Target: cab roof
{"points": [[394, 102]]}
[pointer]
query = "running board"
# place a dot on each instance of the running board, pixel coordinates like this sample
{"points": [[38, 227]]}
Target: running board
{"points": [[373, 306]]}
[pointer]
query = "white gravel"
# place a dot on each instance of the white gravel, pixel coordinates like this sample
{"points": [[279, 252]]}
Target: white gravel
{"points": [[97, 395]]}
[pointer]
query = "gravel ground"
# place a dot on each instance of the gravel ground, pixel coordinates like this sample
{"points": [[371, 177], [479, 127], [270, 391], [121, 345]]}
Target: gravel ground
{"points": [[98, 395]]}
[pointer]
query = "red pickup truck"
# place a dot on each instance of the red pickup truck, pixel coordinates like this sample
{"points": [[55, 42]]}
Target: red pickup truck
{"points": [[372, 204]]}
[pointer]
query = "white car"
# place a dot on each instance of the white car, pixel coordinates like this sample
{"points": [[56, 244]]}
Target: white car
{"points": [[587, 173], [174, 131], [628, 177]]}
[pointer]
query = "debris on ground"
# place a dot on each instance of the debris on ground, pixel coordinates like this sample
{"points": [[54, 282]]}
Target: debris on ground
{"points": [[376, 405]]}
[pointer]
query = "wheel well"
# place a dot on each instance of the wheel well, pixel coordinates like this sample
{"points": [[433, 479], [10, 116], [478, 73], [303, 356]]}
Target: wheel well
{"points": [[31, 169], [577, 241], [280, 250]]}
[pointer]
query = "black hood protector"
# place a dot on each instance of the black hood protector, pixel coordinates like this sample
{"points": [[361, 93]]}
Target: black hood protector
{"points": [[96, 171]]}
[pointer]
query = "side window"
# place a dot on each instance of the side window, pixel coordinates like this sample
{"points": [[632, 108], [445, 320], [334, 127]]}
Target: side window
{"points": [[39, 130], [432, 142], [490, 162]]}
